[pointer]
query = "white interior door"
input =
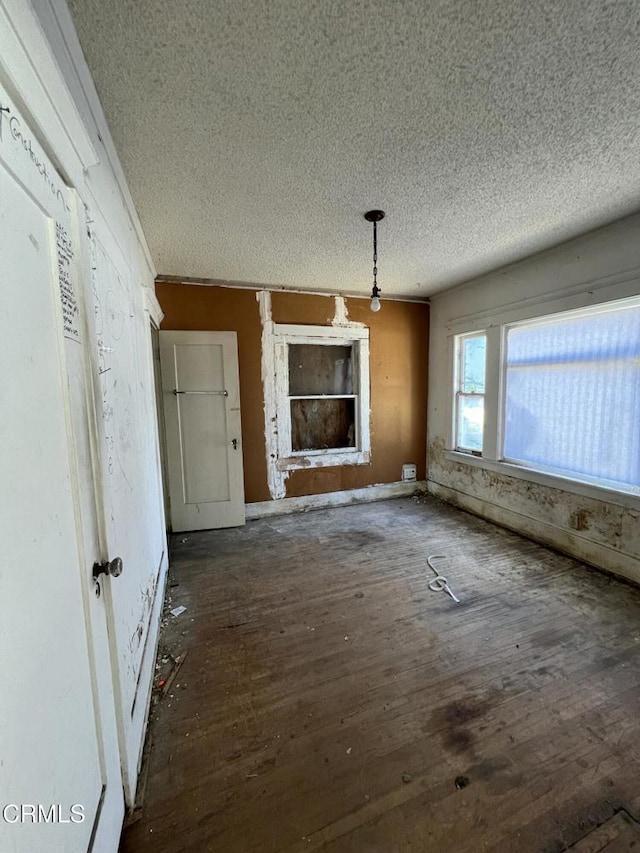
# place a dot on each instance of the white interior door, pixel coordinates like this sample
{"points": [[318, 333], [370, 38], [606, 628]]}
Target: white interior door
{"points": [[201, 394], [56, 790]]}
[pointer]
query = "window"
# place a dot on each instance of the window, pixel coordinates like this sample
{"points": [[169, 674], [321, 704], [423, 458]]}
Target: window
{"points": [[572, 398], [321, 398], [562, 396], [322, 388], [469, 401]]}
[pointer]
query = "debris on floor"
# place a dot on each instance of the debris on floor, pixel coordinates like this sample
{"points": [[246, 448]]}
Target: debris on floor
{"points": [[172, 676], [167, 667], [440, 583], [178, 611]]}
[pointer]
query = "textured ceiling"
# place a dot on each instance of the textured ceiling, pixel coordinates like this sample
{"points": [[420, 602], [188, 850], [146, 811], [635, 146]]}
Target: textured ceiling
{"points": [[255, 133]]}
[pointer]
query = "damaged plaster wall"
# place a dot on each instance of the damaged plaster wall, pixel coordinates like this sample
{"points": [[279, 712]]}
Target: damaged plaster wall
{"points": [[277, 475], [398, 347], [597, 526], [276, 479]]}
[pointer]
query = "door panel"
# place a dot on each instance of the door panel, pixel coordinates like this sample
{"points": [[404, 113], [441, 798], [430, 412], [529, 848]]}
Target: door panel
{"points": [[131, 492], [201, 396], [203, 424], [49, 747]]}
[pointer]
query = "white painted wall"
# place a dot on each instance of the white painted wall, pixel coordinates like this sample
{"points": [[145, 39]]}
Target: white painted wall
{"points": [[43, 69], [128, 442], [598, 267]]}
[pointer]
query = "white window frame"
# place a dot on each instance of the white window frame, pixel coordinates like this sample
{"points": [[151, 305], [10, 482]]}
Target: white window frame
{"points": [[358, 338], [543, 320], [492, 458], [458, 392]]}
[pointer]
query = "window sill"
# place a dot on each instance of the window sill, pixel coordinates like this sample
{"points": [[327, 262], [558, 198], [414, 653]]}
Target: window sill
{"points": [[324, 459], [543, 478]]}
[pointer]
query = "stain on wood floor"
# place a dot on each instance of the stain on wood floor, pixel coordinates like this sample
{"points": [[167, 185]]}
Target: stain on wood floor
{"points": [[330, 701]]}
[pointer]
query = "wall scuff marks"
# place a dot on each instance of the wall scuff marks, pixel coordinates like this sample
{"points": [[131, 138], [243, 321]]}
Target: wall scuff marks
{"points": [[275, 477]]}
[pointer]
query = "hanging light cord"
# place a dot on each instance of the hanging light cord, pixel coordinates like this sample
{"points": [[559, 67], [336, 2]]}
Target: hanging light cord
{"points": [[376, 289], [375, 216]]}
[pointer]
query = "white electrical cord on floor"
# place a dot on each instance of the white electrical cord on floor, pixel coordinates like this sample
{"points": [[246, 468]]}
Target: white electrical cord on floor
{"points": [[440, 583]]}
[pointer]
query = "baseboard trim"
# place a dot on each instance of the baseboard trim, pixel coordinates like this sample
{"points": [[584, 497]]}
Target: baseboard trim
{"points": [[147, 670], [600, 556], [368, 494]]}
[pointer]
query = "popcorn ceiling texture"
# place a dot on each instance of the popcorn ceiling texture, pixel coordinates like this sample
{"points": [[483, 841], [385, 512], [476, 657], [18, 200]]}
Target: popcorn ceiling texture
{"points": [[255, 133]]}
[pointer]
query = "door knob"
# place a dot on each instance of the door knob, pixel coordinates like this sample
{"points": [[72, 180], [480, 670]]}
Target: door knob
{"points": [[109, 567], [235, 443]]}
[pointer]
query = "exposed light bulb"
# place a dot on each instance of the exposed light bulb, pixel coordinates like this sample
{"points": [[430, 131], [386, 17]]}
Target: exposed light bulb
{"points": [[375, 216]]}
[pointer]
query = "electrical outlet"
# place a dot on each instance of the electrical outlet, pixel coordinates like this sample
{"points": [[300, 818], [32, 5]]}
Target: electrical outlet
{"points": [[409, 472]]}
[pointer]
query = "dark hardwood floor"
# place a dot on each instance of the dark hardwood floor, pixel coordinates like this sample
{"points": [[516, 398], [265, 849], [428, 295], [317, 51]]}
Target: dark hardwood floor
{"points": [[330, 701]]}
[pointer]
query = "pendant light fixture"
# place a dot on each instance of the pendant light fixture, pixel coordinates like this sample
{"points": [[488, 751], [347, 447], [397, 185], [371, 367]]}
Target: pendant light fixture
{"points": [[375, 216]]}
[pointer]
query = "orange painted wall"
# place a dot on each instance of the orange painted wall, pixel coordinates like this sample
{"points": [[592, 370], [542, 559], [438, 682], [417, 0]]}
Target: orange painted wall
{"points": [[192, 307], [399, 345]]}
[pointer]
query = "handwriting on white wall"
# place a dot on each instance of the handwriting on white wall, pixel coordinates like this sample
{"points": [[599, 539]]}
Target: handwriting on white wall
{"points": [[70, 308]]}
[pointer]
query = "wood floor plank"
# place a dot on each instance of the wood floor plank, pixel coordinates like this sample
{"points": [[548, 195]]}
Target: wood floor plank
{"points": [[331, 701]]}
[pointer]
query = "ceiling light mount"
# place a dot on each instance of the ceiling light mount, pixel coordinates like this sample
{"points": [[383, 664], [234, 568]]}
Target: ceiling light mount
{"points": [[375, 216]]}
